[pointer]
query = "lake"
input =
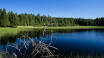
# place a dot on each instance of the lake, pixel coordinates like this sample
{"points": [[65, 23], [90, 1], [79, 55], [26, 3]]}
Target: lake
{"points": [[75, 42]]}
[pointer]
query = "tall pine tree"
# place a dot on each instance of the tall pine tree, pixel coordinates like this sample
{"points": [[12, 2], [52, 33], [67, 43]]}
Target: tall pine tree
{"points": [[4, 19], [0, 15], [13, 18]]}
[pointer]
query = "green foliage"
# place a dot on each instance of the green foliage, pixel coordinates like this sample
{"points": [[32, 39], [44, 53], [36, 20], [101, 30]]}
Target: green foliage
{"points": [[31, 19], [0, 16], [13, 20], [4, 21], [99, 21]]}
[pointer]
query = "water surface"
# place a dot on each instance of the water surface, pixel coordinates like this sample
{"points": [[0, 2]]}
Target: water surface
{"points": [[79, 41]]}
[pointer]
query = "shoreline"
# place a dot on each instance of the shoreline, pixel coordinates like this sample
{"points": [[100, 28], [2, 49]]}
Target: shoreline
{"points": [[12, 31], [23, 28], [63, 27]]}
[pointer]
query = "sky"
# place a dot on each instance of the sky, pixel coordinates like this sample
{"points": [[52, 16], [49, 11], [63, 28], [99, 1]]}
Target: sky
{"points": [[57, 8]]}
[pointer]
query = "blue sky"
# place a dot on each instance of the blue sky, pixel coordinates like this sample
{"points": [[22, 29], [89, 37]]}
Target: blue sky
{"points": [[57, 8]]}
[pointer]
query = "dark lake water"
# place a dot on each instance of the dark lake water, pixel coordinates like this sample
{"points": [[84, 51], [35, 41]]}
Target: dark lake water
{"points": [[68, 42]]}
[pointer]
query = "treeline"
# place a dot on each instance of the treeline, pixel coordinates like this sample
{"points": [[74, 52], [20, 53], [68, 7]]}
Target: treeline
{"points": [[11, 19]]}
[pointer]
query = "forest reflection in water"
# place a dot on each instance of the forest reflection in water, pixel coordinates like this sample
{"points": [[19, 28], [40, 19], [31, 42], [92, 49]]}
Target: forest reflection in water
{"points": [[57, 37], [33, 33]]}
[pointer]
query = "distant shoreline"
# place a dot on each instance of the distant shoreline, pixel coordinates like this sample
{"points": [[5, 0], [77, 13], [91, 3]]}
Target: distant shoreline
{"points": [[57, 27], [63, 27], [14, 31]]}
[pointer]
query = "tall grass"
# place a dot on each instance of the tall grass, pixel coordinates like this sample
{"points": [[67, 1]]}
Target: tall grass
{"points": [[12, 31]]}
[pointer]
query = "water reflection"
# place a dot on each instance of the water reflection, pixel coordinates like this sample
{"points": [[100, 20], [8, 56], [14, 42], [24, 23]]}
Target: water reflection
{"points": [[31, 33], [27, 45], [70, 43], [35, 33]]}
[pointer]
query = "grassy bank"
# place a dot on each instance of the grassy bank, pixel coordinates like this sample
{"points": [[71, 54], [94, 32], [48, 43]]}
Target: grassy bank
{"points": [[64, 27], [11, 31], [22, 28], [77, 27]]}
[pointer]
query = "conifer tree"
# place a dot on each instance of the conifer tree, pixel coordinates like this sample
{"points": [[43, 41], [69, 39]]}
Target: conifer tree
{"points": [[4, 19], [13, 18]]}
